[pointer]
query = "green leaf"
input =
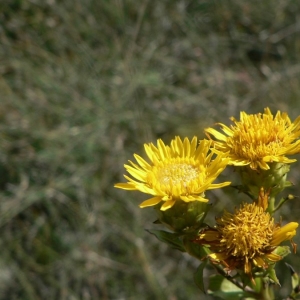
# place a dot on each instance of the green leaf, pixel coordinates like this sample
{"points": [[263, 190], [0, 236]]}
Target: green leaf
{"points": [[225, 289], [198, 276], [170, 238], [194, 249]]}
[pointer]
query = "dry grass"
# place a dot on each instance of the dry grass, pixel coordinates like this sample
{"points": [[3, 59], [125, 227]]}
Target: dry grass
{"points": [[83, 85]]}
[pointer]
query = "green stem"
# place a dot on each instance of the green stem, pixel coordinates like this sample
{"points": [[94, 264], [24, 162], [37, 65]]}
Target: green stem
{"points": [[271, 206], [266, 292]]}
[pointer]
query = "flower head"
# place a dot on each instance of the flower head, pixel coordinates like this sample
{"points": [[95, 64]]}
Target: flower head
{"points": [[246, 239], [259, 139], [181, 171]]}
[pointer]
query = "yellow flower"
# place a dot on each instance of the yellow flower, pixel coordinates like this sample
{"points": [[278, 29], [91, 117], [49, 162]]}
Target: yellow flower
{"points": [[246, 239], [181, 171], [259, 139]]}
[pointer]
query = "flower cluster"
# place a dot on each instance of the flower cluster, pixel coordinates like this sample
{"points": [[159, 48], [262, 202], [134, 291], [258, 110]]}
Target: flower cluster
{"points": [[178, 176]]}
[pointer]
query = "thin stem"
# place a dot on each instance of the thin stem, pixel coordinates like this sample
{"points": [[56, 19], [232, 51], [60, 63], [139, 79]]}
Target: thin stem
{"points": [[235, 282], [266, 292]]}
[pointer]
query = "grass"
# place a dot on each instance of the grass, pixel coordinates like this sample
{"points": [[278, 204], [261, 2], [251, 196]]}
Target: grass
{"points": [[83, 85]]}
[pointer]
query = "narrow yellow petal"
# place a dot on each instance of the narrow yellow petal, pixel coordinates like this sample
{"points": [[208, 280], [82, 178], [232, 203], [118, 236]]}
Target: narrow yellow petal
{"points": [[247, 267], [193, 145], [188, 198], [193, 198], [142, 162], [262, 165], [258, 261], [167, 204], [162, 149], [218, 185], [179, 146], [226, 129], [125, 186], [186, 147], [149, 151], [267, 111], [202, 149], [150, 202], [138, 174], [216, 134], [273, 257]]}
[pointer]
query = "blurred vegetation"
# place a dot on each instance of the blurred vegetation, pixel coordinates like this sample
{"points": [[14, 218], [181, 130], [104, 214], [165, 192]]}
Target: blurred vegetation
{"points": [[84, 84]]}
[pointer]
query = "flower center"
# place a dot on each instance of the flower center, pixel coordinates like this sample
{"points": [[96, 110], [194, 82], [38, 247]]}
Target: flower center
{"points": [[176, 177], [258, 137], [247, 232], [177, 173]]}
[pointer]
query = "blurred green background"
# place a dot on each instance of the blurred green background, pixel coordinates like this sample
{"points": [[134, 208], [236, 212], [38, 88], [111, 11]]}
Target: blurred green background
{"points": [[84, 84]]}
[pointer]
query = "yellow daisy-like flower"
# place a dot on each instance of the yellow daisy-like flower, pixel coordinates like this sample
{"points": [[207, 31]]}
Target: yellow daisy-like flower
{"points": [[181, 171], [259, 139], [246, 239]]}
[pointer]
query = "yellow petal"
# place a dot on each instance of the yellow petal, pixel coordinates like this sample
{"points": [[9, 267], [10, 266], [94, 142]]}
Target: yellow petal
{"points": [[219, 136], [141, 162], [273, 257], [226, 129], [193, 145], [247, 267], [218, 185], [186, 147], [284, 233], [125, 186], [149, 151], [138, 174], [162, 149], [150, 202], [193, 198], [167, 205], [258, 261]]}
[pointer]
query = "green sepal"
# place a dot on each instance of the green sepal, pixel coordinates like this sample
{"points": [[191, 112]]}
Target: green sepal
{"points": [[282, 251], [288, 184], [172, 239], [183, 217], [273, 179], [225, 289], [198, 276], [272, 275]]}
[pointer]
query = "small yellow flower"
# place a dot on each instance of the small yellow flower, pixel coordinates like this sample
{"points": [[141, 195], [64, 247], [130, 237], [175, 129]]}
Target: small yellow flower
{"points": [[259, 139], [181, 171], [246, 239]]}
